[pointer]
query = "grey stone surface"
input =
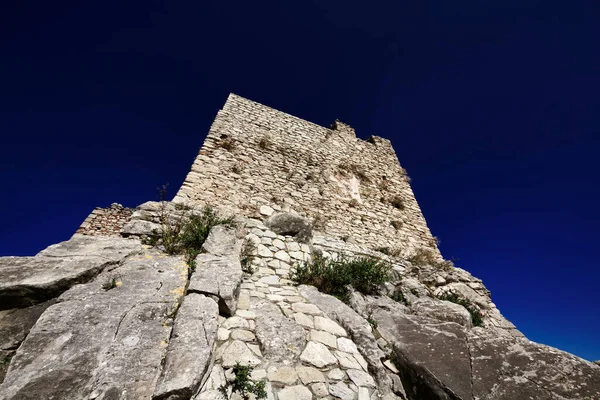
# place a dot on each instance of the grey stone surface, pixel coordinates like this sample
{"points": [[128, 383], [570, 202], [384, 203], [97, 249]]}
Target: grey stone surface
{"points": [[341, 391], [97, 343], [445, 360], [190, 348], [291, 224], [218, 271], [442, 310], [280, 337], [297, 392], [318, 355], [138, 227], [25, 281]]}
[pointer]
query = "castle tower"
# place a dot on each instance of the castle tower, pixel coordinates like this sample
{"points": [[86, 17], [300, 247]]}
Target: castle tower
{"points": [[257, 160]]}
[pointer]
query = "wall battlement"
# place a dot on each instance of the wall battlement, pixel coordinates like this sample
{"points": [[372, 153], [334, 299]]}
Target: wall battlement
{"points": [[256, 159]]}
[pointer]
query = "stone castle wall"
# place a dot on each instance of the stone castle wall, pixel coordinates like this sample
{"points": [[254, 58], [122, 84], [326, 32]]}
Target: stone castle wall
{"points": [[256, 160], [105, 221]]}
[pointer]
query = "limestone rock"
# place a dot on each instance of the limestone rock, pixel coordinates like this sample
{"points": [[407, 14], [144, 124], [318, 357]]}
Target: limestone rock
{"points": [[318, 355], [139, 227], [280, 338], [189, 351], [283, 374], [238, 352], [97, 343], [29, 280], [297, 392], [361, 378], [442, 310], [290, 224], [310, 375], [341, 391]]}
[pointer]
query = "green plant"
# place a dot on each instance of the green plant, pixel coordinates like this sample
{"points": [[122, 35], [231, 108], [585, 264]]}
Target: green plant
{"points": [[476, 316], [110, 283], [397, 224], [399, 297], [397, 202], [334, 277], [372, 322], [243, 384], [247, 255], [264, 142], [226, 142], [6, 360]]}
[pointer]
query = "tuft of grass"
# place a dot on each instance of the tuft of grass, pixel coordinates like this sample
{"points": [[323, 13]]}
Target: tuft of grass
{"points": [[244, 385], [389, 251], [6, 360], [334, 277], [426, 257], [476, 316]]}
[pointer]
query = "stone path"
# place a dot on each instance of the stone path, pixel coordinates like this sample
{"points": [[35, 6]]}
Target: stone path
{"points": [[301, 353]]}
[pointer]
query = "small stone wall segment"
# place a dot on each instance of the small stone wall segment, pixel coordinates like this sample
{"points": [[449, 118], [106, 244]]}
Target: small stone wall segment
{"points": [[255, 156], [106, 221], [300, 352]]}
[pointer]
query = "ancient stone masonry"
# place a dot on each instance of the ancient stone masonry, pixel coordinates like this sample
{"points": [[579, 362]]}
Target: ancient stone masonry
{"points": [[106, 221], [255, 156]]}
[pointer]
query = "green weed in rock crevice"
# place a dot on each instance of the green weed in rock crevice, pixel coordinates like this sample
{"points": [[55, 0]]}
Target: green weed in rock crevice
{"points": [[244, 385]]}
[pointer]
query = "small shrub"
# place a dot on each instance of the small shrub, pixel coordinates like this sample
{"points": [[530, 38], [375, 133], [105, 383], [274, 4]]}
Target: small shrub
{"points": [[353, 203], [476, 316], [426, 257], [244, 385], [397, 224], [399, 297], [319, 222], [110, 283], [372, 322], [333, 277], [247, 255], [397, 202], [389, 252], [227, 143], [6, 360], [264, 142], [236, 169]]}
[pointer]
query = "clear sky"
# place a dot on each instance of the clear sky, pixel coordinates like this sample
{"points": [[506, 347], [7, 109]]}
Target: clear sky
{"points": [[492, 107]]}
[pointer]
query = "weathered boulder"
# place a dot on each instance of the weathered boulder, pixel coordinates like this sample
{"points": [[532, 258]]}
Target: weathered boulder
{"points": [[190, 348], [29, 280], [104, 339], [14, 327], [219, 271], [280, 338], [286, 223], [442, 310], [447, 360], [139, 227]]}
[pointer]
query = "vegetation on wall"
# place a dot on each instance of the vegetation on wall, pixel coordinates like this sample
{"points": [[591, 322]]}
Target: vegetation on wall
{"points": [[243, 385]]}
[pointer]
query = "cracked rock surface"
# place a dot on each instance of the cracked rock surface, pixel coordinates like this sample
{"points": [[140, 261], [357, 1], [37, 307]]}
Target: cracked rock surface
{"points": [[97, 343]]}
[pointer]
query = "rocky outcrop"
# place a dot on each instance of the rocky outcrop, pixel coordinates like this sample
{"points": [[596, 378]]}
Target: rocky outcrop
{"points": [[190, 348], [103, 339], [130, 322], [29, 280], [218, 270], [442, 359]]}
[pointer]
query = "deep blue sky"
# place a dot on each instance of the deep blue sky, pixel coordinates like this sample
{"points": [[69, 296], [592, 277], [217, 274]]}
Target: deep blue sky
{"points": [[493, 108]]}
